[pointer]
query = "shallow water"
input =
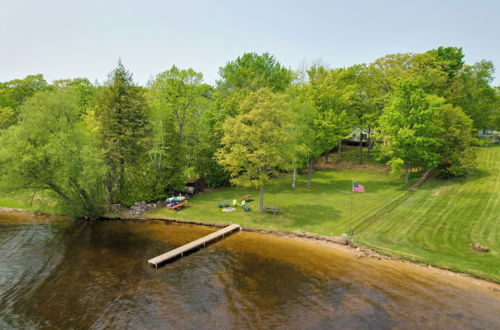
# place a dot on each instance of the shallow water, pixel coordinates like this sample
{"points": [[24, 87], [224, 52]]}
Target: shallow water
{"points": [[60, 273]]}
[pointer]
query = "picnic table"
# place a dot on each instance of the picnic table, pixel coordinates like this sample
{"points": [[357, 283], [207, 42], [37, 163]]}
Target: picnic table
{"points": [[270, 208]]}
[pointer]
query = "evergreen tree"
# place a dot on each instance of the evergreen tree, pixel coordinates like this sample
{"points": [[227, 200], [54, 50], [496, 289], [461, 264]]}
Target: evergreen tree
{"points": [[122, 127]]}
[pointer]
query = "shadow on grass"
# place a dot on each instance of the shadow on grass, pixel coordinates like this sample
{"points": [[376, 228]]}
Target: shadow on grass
{"points": [[342, 185], [311, 214], [474, 175]]}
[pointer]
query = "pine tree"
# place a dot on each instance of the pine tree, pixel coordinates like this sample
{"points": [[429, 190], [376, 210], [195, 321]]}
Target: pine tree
{"points": [[121, 114]]}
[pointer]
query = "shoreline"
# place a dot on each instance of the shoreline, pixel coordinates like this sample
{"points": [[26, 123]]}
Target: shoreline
{"points": [[333, 242]]}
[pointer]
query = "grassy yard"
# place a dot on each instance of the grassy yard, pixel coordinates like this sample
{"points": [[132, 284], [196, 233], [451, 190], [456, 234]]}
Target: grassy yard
{"points": [[437, 223], [25, 200], [17, 201], [322, 208]]}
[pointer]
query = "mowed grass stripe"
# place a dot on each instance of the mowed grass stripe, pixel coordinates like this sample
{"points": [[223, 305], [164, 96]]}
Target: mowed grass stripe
{"points": [[438, 223]]}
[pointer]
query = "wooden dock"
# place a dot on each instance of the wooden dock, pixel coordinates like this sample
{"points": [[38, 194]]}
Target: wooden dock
{"points": [[179, 252]]}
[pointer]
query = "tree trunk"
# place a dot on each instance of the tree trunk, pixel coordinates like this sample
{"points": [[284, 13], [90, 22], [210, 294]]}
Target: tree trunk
{"points": [[309, 172], [340, 149], [361, 147], [368, 141], [325, 156], [58, 191], [109, 189], [294, 177], [261, 199], [407, 170], [121, 183]]}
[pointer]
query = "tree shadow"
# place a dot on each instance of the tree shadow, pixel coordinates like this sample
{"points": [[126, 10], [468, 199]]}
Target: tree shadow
{"points": [[436, 182], [311, 214]]}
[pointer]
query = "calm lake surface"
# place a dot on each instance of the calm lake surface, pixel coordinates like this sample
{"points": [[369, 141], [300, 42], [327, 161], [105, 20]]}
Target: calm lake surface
{"points": [[61, 273]]}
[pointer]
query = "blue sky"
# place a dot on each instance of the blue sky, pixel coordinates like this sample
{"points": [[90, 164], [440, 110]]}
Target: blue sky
{"points": [[67, 39]]}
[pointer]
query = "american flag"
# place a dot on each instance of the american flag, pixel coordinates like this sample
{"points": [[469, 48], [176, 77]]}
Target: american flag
{"points": [[358, 188]]}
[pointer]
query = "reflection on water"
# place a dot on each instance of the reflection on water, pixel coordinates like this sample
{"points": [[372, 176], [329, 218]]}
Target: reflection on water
{"points": [[75, 274]]}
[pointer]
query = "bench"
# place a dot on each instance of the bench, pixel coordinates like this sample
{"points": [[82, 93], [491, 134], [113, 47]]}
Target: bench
{"points": [[273, 209]]}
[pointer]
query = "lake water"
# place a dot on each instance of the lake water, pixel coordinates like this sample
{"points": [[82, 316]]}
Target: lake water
{"points": [[60, 273]]}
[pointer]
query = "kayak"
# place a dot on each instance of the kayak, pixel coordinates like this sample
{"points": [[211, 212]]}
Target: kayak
{"points": [[175, 199]]}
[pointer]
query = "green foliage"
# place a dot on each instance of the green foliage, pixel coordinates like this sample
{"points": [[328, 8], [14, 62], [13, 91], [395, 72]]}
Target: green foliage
{"points": [[450, 59], [121, 116], [411, 129], [13, 93], [253, 71], [82, 86], [456, 152], [303, 115], [256, 143], [49, 149], [331, 122], [471, 90], [179, 100], [205, 164], [7, 117]]}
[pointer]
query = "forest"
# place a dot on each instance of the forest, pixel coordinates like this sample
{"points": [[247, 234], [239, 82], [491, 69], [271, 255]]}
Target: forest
{"points": [[83, 145]]}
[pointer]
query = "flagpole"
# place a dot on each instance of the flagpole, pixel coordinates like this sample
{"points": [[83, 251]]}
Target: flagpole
{"points": [[350, 216]]}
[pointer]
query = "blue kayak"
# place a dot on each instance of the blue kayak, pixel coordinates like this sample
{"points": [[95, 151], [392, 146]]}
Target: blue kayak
{"points": [[175, 199]]}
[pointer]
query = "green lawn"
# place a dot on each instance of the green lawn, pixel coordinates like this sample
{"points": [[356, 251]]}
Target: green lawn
{"points": [[437, 223], [23, 200], [323, 208], [17, 201]]}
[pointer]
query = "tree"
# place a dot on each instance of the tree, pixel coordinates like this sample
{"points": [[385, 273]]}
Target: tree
{"points": [[121, 116], [253, 71], [303, 114], [238, 79], [359, 101], [84, 88], [410, 128], [179, 99], [255, 144], [50, 149], [450, 59], [205, 162], [181, 95], [456, 152], [471, 90], [13, 93], [331, 123]]}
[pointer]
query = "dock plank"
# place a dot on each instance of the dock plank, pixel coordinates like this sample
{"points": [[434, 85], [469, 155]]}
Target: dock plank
{"points": [[163, 258]]}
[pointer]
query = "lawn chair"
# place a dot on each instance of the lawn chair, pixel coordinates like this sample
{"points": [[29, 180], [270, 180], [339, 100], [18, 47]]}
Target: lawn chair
{"points": [[242, 203], [246, 208], [226, 203], [219, 204], [234, 202]]}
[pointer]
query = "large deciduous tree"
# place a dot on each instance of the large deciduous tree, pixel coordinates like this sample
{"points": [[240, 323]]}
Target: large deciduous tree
{"points": [[330, 123], [14, 92], [411, 129], [178, 101], [50, 149], [471, 90], [253, 71], [256, 144], [457, 153]]}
